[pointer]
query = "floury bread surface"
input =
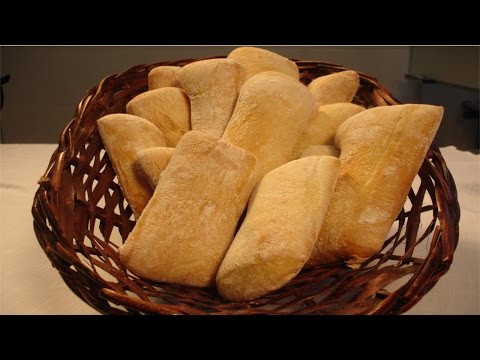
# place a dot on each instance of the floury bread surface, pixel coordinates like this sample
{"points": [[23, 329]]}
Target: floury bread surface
{"points": [[124, 136], [163, 76], [212, 86], [271, 114], [153, 161], [189, 223], [382, 150], [321, 150], [256, 60], [335, 88], [324, 124], [275, 240], [168, 108]]}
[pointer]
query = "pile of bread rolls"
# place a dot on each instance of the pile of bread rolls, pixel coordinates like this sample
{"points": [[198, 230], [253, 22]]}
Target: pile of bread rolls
{"points": [[239, 175]]}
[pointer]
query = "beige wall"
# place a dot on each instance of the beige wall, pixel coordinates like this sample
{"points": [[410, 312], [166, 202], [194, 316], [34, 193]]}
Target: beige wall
{"points": [[47, 82]]}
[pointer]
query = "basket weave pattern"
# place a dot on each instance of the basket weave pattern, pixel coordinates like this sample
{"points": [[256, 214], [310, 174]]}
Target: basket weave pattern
{"points": [[81, 218]]}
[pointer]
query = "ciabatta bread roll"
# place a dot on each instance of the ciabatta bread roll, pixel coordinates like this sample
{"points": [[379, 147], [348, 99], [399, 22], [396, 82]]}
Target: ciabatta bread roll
{"points": [[335, 88], [124, 136], [281, 227], [213, 87], [271, 114], [163, 76], [152, 162], [382, 150], [189, 223], [168, 108], [323, 126], [256, 60], [321, 150]]}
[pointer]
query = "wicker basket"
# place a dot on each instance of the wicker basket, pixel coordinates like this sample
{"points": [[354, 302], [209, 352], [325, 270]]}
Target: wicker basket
{"points": [[81, 218]]}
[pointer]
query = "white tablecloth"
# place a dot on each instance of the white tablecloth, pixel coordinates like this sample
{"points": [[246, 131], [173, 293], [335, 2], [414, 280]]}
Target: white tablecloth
{"points": [[30, 285]]}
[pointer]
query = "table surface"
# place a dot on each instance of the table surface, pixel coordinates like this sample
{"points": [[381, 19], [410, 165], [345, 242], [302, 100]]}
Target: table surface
{"points": [[30, 285]]}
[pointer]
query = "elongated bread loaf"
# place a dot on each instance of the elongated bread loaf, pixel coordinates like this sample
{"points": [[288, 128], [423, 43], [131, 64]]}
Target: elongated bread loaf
{"points": [[280, 229], [335, 88], [123, 136], [168, 108], [188, 225], [152, 162], [163, 76], [256, 60], [271, 114], [382, 150], [213, 86], [321, 150], [323, 126]]}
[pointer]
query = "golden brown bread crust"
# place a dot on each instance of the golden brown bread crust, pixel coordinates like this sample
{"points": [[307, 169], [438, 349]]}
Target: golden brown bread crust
{"points": [[284, 216], [168, 108], [189, 223], [335, 88], [321, 150], [124, 136], [212, 86], [163, 76], [376, 173], [271, 114], [324, 124], [256, 60], [152, 162]]}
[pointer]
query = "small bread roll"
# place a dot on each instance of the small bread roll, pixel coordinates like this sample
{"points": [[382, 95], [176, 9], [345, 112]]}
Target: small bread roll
{"points": [[335, 88], [124, 136], [163, 76], [152, 162], [168, 108], [321, 150], [256, 60], [188, 225], [323, 126], [382, 150], [271, 114], [284, 216], [213, 86]]}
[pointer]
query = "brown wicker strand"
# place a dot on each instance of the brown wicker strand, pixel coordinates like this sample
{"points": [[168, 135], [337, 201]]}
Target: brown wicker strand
{"points": [[81, 218]]}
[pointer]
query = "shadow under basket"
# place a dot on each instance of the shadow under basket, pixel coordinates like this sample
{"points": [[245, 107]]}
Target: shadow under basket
{"points": [[81, 218]]}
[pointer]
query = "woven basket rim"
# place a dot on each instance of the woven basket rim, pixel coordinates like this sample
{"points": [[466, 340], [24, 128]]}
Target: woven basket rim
{"points": [[55, 201]]}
